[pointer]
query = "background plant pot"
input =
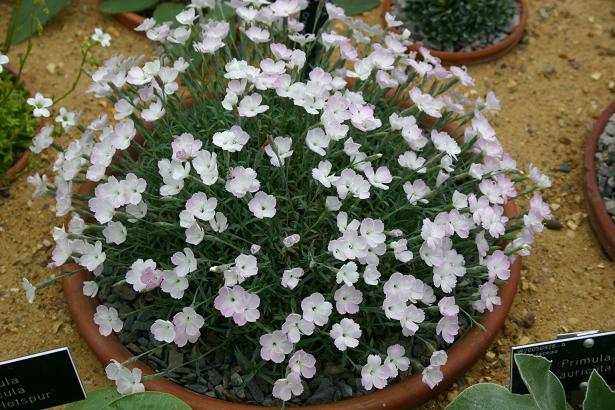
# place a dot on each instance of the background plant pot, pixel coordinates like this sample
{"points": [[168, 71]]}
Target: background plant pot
{"points": [[408, 393], [22, 161], [130, 20], [481, 55], [601, 221]]}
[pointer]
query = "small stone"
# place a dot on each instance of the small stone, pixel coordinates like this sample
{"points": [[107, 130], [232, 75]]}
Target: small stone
{"points": [[324, 393], [596, 76], [214, 377], [549, 70], [255, 391], [553, 224], [565, 167], [126, 293], [236, 380], [528, 321], [524, 340], [572, 226], [199, 388], [175, 358], [51, 68], [490, 356], [573, 321]]}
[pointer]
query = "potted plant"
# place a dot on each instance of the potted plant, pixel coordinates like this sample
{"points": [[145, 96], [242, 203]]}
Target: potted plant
{"points": [[462, 31], [599, 174], [133, 13], [259, 229]]}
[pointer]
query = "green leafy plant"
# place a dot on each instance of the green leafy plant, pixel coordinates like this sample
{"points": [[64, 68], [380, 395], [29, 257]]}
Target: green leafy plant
{"points": [[109, 399], [29, 17], [163, 11], [456, 24], [545, 391], [17, 125]]}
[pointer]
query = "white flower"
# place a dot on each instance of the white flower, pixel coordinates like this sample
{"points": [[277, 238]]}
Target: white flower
{"points": [[92, 256], [153, 112], [29, 289], [416, 191], [242, 180], [163, 330], [257, 35], [99, 36], [291, 240], [134, 274], [206, 165], [290, 277], [40, 104], [347, 299], [4, 59], [316, 309], [432, 376], [374, 373], [173, 284], [66, 118], [295, 327], [202, 207], [129, 381], [250, 106], [274, 346], [278, 150], [246, 265], [262, 205], [42, 140], [232, 140], [184, 262], [396, 360], [39, 183], [285, 388], [108, 320], [219, 222], [323, 174], [90, 288], [348, 274], [317, 141], [426, 103], [115, 232], [345, 334]]}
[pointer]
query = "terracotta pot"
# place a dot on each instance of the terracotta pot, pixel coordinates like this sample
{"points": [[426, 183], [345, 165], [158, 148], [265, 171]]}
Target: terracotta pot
{"points": [[22, 161], [601, 221], [130, 20], [408, 393], [481, 55]]}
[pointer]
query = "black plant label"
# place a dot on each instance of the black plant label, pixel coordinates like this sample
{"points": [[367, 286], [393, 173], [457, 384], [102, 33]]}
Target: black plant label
{"points": [[573, 359], [39, 381]]}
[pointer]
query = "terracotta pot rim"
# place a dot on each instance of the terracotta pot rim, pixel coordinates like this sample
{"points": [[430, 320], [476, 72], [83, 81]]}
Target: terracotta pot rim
{"points": [[481, 55], [22, 161], [601, 221], [130, 20], [408, 393]]}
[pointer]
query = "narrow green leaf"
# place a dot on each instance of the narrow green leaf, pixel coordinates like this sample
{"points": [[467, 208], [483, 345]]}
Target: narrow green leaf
{"points": [[27, 16], [125, 6], [96, 400], [544, 387], [354, 7], [149, 400], [167, 12], [599, 395], [489, 396], [226, 13]]}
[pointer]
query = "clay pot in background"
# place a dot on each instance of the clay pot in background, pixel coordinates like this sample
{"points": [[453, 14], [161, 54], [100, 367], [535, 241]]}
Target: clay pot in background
{"points": [[481, 55], [601, 221]]}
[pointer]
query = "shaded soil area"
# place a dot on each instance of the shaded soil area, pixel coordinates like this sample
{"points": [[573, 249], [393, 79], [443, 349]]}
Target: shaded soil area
{"points": [[552, 87]]}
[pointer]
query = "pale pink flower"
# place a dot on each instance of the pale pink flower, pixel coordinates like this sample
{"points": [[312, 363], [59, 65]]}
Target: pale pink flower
{"points": [[285, 388], [345, 334], [108, 320], [347, 299], [295, 326], [274, 346], [290, 277], [316, 309], [374, 373]]}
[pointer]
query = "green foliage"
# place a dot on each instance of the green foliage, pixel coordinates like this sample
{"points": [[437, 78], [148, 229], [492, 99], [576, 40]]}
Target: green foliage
{"points": [[167, 11], [599, 395], [354, 7], [17, 125], [546, 391], [110, 399], [29, 17], [123, 6], [455, 24]]}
